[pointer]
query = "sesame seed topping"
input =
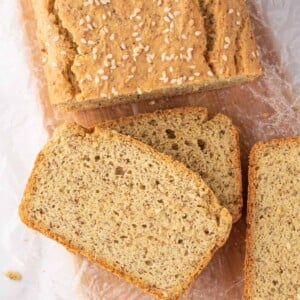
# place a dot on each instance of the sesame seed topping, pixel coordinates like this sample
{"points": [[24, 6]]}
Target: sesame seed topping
{"points": [[167, 9], [83, 41], [90, 42], [227, 39], [104, 77], [197, 74], [135, 34], [81, 22], [166, 19], [197, 33], [54, 65], [210, 73], [109, 56], [114, 91], [125, 56], [191, 22], [112, 37], [88, 76], [192, 67], [171, 69], [104, 17], [183, 36], [44, 60], [238, 13], [191, 78], [63, 52], [224, 57], [123, 46], [100, 71], [139, 91], [176, 13], [103, 95], [56, 38], [77, 64], [230, 11], [97, 80], [226, 46]]}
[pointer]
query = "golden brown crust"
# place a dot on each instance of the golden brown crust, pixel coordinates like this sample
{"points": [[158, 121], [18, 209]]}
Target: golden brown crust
{"points": [[225, 217], [75, 40], [251, 202]]}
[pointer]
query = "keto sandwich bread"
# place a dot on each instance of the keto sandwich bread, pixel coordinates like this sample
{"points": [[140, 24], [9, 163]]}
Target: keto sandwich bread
{"points": [[273, 232], [126, 207], [210, 148], [105, 52]]}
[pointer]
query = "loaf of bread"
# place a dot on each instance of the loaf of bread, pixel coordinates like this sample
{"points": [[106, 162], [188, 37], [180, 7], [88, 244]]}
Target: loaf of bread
{"points": [[104, 52], [273, 231], [126, 207], [208, 147]]}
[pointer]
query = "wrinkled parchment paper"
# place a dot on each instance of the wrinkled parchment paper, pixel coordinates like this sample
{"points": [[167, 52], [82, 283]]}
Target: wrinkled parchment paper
{"points": [[267, 108]]}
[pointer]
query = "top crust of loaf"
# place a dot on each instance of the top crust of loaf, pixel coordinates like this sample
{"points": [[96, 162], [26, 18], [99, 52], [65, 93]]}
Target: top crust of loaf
{"points": [[113, 52], [72, 130], [255, 154]]}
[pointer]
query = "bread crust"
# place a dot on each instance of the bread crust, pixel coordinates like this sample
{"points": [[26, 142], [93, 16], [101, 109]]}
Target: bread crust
{"points": [[236, 159], [251, 202], [224, 216]]}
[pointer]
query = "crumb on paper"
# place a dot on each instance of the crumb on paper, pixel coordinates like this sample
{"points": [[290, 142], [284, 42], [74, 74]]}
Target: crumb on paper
{"points": [[13, 275]]}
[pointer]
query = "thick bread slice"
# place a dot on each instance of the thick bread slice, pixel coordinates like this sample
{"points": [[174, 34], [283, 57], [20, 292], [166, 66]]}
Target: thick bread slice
{"points": [[273, 232], [209, 148], [125, 207]]}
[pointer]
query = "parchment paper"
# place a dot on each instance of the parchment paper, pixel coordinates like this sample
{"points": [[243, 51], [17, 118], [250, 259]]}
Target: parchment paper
{"points": [[267, 108]]}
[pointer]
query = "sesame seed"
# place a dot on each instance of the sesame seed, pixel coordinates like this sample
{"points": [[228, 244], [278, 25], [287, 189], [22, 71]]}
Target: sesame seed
{"points": [[89, 26], [112, 37], [146, 48], [224, 57], [109, 56], [230, 11], [83, 41], [100, 71], [150, 69], [138, 39], [130, 76], [253, 54], [166, 30], [257, 53], [44, 60], [103, 95], [153, 23], [183, 36], [139, 91], [238, 22], [167, 9], [54, 65], [133, 69], [104, 77], [77, 64], [90, 42], [135, 34], [191, 78], [227, 39], [197, 74], [170, 15], [176, 13], [81, 22], [210, 73], [105, 29], [56, 38], [197, 33], [226, 46], [171, 69], [63, 52], [114, 91], [191, 22], [192, 67], [89, 76], [123, 46], [238, 13], [88, 19], [97, 80], [104, 17], [47, 44], [172, 25], [221, 71], [125, 57], [166, 19], [166, 40]]}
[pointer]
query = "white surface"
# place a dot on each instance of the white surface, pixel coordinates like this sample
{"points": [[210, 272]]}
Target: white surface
{"points": [[45, 266]]}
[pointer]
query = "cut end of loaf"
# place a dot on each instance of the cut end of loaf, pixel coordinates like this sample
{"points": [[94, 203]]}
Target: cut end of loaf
{"points": [[272, 241], [125, 207]]}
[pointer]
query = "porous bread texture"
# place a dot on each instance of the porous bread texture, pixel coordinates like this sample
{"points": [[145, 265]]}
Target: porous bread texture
{"points": [[208, 147], [99, 54], [126, 207], [272, 269]]}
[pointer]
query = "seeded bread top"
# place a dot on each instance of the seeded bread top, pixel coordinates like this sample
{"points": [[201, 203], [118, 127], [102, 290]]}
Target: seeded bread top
{"points": [[105, 49]]}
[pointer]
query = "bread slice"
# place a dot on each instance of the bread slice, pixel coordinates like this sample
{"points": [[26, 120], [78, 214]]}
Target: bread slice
{"points": [[209, 148], [126, 207], [273, 232]]}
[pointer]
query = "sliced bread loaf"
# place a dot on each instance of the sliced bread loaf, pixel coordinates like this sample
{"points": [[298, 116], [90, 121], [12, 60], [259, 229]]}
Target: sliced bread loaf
{"points": [[209, 148], [126, 207], [273, 232]]}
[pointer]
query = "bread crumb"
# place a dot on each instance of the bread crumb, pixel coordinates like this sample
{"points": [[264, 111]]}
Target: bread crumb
{"points": [[13, 275]]}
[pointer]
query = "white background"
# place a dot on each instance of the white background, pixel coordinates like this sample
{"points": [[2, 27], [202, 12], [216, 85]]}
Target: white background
{"points": [[45, 266]]}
